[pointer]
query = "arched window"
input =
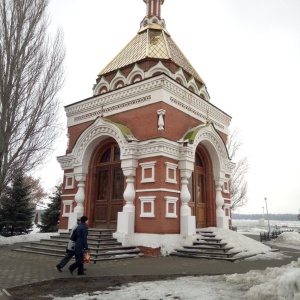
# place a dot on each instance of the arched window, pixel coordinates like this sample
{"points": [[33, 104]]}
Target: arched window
{"points": [[119, 84], [137, 78], [191, 89], [198, 161], [103, 90], [179, 80], [110, 155]]}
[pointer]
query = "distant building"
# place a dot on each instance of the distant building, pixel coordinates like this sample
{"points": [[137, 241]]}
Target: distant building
{"points": [[146, 153]]}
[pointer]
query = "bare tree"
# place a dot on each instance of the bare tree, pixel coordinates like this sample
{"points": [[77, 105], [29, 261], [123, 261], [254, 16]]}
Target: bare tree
{"points": [[238, 183], [37, 193], [31, 74]]}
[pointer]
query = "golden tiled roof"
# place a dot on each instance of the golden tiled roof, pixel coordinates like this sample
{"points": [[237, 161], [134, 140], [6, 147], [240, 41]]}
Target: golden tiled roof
{"points": [[150, 42]]}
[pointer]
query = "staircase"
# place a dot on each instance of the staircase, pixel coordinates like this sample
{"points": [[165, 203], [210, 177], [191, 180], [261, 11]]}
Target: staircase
{"points": [[207, 246], [101, 243]]}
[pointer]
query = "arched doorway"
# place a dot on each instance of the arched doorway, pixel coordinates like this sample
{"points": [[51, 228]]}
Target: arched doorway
{"points": [[108, 188], [201, 189]]}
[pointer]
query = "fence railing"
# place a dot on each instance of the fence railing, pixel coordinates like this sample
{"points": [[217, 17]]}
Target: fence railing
{"points": [[267, 236]]}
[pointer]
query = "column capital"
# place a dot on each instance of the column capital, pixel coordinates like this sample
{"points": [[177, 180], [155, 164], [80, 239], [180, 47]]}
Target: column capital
{"points": [[80, 177]]}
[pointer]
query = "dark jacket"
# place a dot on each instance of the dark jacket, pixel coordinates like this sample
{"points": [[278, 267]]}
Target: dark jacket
{"points": [[81, 242]]}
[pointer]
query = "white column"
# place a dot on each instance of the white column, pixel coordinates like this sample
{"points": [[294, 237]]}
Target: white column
{"points": [[79, 199], [222, 221], [187, 221], [161, 123], [129, 195], [126, 218]]}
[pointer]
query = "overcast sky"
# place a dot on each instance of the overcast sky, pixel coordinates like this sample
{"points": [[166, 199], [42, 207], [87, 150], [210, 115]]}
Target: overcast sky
{"points": [[246, 51]]}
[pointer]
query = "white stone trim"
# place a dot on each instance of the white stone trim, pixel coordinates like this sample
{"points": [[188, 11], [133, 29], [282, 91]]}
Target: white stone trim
{"points": [[68, 195], [171, 201], [144, 200], [69, 176], [171, 167], [158, 190], [226, 186], [67, 203], [148, 166], [227, 207]]}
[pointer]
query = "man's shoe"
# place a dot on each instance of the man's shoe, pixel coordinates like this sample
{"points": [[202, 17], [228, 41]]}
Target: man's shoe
{"points": [[58, 268], [71, 271], [81, 274]]}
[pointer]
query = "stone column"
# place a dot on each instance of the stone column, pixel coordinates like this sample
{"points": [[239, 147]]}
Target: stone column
{"points": [[79, 199], [126, 218], [187, 221], [161, 122], [222, 221]]}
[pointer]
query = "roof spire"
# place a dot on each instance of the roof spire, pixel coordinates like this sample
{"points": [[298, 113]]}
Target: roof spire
{"points": [[153, 8]]}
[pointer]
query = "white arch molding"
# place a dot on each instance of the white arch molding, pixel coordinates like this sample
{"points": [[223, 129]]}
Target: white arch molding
{"points": [[209, 137], [80, 159]]}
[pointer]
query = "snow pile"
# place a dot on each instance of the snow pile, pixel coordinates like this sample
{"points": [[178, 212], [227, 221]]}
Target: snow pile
{"points": [[26, 238], [291, 238], [287, 239], [240, 243], [270, 284]]}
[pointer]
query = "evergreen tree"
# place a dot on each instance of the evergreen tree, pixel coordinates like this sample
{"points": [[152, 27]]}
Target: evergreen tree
{"points": [[15, 212], [50, 217]]}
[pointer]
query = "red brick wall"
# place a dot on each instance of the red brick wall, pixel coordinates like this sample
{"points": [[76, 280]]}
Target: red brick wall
{"points": [[143, 122], [74, 132]]}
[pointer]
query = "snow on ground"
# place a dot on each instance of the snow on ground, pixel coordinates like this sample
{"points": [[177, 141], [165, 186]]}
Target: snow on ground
{"points": [[270, 284], [32, 237], [240, 243]]}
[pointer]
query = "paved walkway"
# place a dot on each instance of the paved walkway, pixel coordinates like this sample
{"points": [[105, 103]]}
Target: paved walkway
{"points": [[19, 268]]}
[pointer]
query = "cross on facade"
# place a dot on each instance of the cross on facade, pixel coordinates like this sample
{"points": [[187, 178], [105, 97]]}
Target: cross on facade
{"points": [[153, 7]]}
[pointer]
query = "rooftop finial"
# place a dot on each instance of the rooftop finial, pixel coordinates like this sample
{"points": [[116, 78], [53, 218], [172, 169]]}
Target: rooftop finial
{"points": [[154, 7]]}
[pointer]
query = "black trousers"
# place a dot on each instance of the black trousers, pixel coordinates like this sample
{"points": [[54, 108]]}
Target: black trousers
{"points": [[78, 264], [66, 259]]}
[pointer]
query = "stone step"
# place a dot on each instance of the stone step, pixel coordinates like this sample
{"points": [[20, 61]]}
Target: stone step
{"points": [[209, 239], [213, 244], [101, 243], [207, 253], [204, 231], [208, 248], [94, 260], [198, 256]]}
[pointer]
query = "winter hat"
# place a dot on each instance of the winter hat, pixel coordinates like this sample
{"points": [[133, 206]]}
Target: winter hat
{"points": [[83, 219]]}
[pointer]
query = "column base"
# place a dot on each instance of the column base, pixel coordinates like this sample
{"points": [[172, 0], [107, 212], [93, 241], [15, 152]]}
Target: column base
{"points": [[73, 219], [125, 222], [187, 225], [222, 222]]}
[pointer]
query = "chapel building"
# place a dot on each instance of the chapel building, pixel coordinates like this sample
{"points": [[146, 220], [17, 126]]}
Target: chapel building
{"points": [[147, 152]]}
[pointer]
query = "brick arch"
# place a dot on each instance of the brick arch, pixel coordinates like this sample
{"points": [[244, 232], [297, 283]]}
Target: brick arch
{"points": [[90, 138]]}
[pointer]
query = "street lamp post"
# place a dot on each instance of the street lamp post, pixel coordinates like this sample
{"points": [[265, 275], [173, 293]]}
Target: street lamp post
{"points": [[267, 214]]}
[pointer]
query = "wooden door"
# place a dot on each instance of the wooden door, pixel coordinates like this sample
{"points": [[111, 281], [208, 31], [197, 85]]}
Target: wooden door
{"points": [[109, 189], [197, 189], [200, 202]]}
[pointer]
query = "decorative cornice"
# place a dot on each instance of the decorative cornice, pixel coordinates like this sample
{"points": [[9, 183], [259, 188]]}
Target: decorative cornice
{"points": [[112, 109], [129, 98], [114, 97]]}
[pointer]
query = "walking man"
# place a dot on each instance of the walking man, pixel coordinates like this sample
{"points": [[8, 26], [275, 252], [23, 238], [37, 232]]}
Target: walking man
{"points": [[80, 246], [70, 249]]}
